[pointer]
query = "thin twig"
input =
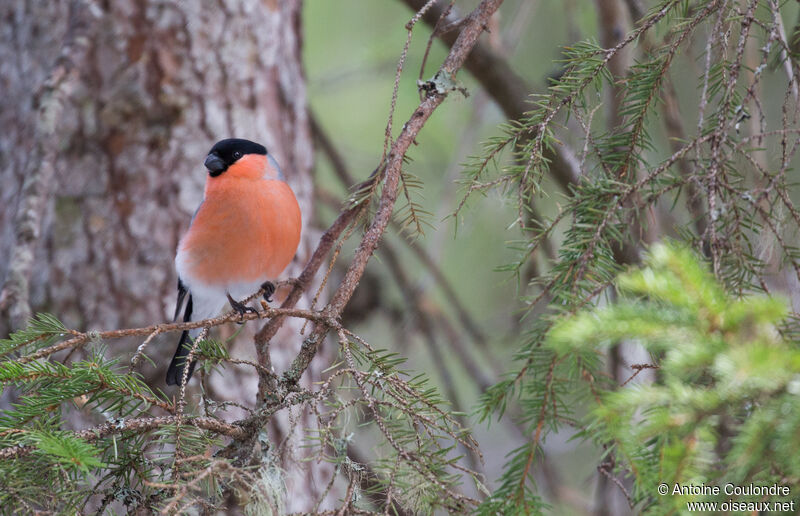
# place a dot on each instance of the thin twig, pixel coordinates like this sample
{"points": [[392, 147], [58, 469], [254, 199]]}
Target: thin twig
{"points": [[136, 425], [82, 338]]}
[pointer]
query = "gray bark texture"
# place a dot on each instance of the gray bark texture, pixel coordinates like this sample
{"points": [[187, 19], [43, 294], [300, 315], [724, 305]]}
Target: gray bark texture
{"points": [[108, 111]]}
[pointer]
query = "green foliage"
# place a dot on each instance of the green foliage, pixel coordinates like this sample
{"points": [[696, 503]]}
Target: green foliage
{"points": [[137, 457], [68, 451], [723, 409], [42, 330], [51, 459], [714, 344]]}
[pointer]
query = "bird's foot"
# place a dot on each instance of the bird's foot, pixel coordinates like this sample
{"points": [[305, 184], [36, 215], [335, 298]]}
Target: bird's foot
{"points": [[269, 289], [240, 308]]}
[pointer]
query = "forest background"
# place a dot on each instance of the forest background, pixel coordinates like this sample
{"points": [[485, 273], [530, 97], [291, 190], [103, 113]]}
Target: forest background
{"points": [[578, 136]]}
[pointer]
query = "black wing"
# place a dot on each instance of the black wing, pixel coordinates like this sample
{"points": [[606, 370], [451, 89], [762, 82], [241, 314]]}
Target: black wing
{"points": [[181, 294]]}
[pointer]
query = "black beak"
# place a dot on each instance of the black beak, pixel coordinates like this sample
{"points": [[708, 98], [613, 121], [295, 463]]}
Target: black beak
{"points": [[215, 165]]}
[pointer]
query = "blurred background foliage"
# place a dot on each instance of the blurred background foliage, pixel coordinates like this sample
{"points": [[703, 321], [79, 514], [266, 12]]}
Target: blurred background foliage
{"points": [[350, 79], [350, 73], [723, 411]]}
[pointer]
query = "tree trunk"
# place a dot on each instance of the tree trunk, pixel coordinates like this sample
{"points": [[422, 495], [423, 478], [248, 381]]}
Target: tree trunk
{"points": [[91, 210]]}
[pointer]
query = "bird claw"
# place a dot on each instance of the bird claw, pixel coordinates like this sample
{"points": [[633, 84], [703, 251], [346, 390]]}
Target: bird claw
{"points": [[240, 308], [269, 289]]}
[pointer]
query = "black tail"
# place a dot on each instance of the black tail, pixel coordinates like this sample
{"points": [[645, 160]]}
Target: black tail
{"points": [[175, 369]]}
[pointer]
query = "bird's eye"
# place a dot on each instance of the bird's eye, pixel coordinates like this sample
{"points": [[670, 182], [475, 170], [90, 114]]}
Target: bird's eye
{"points": [[237, 155]]}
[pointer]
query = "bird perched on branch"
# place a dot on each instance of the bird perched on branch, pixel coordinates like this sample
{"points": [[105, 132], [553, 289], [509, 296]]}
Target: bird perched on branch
{"points": [[244, 233]]}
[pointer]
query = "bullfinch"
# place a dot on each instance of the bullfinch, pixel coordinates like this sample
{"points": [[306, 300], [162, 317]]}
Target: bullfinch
{"points": [[244, 233]]}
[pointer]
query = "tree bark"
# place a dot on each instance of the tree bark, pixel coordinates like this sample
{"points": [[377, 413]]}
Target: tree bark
{"points": [[158, 84]]}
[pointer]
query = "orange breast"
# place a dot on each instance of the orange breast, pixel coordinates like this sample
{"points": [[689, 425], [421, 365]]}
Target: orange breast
{"points": [[246, 230]]}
